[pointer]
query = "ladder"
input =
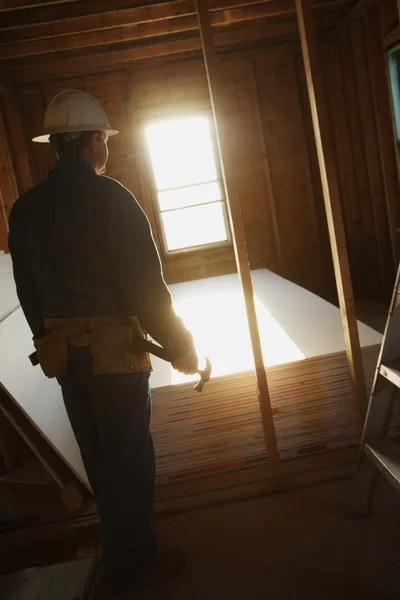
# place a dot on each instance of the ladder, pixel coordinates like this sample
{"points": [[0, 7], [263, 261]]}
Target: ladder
{"points": [[379, 454]]}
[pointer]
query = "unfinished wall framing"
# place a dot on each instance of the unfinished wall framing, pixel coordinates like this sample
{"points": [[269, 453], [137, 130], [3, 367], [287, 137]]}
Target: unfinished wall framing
{"points": [[273, 163], [277, 174]]}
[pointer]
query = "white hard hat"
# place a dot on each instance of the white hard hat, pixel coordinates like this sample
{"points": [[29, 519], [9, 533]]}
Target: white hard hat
{"points": [[73, 111]]}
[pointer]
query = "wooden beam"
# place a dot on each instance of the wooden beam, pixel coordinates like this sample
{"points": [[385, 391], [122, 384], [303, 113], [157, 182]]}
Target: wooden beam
{"points": [[186, 43], [9, 5], [96, 62], [327, 166], [140, 31], [213, 70], [355, 13], [384, 122], [150, 29], [109, 16], [14, 119], [73, 491], [392, 38]]}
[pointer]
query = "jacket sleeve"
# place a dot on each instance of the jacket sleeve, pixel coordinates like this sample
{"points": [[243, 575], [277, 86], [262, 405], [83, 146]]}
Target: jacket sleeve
{"points": [[26, 288], [136, 266]]}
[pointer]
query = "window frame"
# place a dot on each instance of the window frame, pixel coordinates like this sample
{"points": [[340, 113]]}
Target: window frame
{"points": [[393, 65], [176, 113]]}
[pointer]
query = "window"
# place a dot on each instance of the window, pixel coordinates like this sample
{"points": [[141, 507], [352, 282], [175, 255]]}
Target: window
{"points": [[394, 76], [190, 201]]}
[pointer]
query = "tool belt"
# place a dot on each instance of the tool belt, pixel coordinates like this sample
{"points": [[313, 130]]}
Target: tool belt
{"points": [[114, 343]]}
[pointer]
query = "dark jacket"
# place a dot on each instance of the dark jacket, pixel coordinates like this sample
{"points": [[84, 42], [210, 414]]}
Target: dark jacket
{"points": [[82, 247]]}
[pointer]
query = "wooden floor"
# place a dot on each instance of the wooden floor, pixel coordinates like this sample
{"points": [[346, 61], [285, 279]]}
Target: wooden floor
{"points": [[287, 547]]}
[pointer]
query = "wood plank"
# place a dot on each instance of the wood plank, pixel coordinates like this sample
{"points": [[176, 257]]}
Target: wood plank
{"points": [[268, 178], [327, 287], [355, 13], [371, 147], [347, 181], [284, 133], [73, 491], [10, 5], [393, 37], [69, 18], [378, 276], [8, 183], [213, 71], [139, 31], [385, 125], [94, 62], [14, 122], [333, 206]]}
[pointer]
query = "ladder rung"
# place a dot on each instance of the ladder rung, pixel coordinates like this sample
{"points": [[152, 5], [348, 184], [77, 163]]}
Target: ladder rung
{"points": [[391, 371], [386, 457]]}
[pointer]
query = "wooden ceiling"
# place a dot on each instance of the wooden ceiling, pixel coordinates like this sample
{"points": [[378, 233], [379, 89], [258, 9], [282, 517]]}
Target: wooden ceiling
{"points": [[48, 38]]}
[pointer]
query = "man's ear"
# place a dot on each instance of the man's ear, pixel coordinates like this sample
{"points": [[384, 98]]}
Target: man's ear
{"points": [[93, 140]]}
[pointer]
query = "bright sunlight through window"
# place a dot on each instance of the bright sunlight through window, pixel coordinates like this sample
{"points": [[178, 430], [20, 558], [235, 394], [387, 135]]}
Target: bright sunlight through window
{"points": [[190, 202]]}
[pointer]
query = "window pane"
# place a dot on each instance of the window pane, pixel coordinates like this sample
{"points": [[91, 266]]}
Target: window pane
{"points": [[194, 226], [181, 152], [188, 196]]}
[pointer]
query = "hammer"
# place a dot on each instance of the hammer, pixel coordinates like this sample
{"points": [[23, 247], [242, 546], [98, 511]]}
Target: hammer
{"points": [[146, 346]]}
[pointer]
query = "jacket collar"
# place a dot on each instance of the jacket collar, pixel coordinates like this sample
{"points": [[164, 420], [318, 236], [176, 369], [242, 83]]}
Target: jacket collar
{"points": [[71, 164]]}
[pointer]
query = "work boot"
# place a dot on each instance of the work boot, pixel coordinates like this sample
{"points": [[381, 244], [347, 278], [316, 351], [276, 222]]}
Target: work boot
{"points": [[168, 564]]}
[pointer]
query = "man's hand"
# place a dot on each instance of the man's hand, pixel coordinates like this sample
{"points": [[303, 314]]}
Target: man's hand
{"points": [[188, 364]]}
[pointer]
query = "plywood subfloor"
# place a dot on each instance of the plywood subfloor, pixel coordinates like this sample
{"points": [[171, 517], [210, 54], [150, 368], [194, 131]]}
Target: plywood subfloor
{"points": [[221, 429], [292, 546]]}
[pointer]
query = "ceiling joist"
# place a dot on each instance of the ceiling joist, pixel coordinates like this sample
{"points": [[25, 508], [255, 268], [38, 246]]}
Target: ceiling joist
{"points": [[141, 30], [76, 17], [189, 43], [8, 5]]}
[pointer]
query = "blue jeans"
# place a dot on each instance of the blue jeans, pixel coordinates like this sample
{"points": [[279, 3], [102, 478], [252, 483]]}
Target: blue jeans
{"points": [[110, 417]]}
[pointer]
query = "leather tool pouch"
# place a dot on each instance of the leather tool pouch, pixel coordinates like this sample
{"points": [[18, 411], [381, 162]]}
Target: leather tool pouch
{"points": [[112, 351], [52, 353], [115, 348]]}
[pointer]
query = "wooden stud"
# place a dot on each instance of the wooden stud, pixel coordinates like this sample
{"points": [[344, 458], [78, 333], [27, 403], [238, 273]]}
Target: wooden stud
{"points": [[213, 70], [327, 165], [355, 13], [384, 122]]}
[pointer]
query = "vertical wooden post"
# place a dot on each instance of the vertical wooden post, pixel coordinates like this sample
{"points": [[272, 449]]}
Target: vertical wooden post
{"points": [[384, 122], [8, 184], [327, 167], [213, 69]]}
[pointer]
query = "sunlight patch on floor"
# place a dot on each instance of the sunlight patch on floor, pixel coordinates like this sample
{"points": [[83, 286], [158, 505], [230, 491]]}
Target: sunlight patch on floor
{"points": [[219, 325]]}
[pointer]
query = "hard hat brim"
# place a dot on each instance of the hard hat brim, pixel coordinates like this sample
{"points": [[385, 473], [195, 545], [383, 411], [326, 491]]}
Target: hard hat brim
{"points": [[45, 138]]}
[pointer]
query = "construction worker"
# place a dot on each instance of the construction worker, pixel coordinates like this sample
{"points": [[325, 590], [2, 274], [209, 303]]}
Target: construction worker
{"points": [[88, 277]]}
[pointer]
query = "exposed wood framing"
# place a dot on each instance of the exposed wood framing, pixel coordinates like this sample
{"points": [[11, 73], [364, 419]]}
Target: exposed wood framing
{"points": [[137, 31], [73, 491], [102, 14], [213, 70], [355, 13], [334, 215], [18, 4], [393, 37], [384, 120], [185, 43], [8, 184]]}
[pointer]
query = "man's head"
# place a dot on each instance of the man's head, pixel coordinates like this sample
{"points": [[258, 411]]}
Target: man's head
{"points": [[87, 145], [76, 125]]}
